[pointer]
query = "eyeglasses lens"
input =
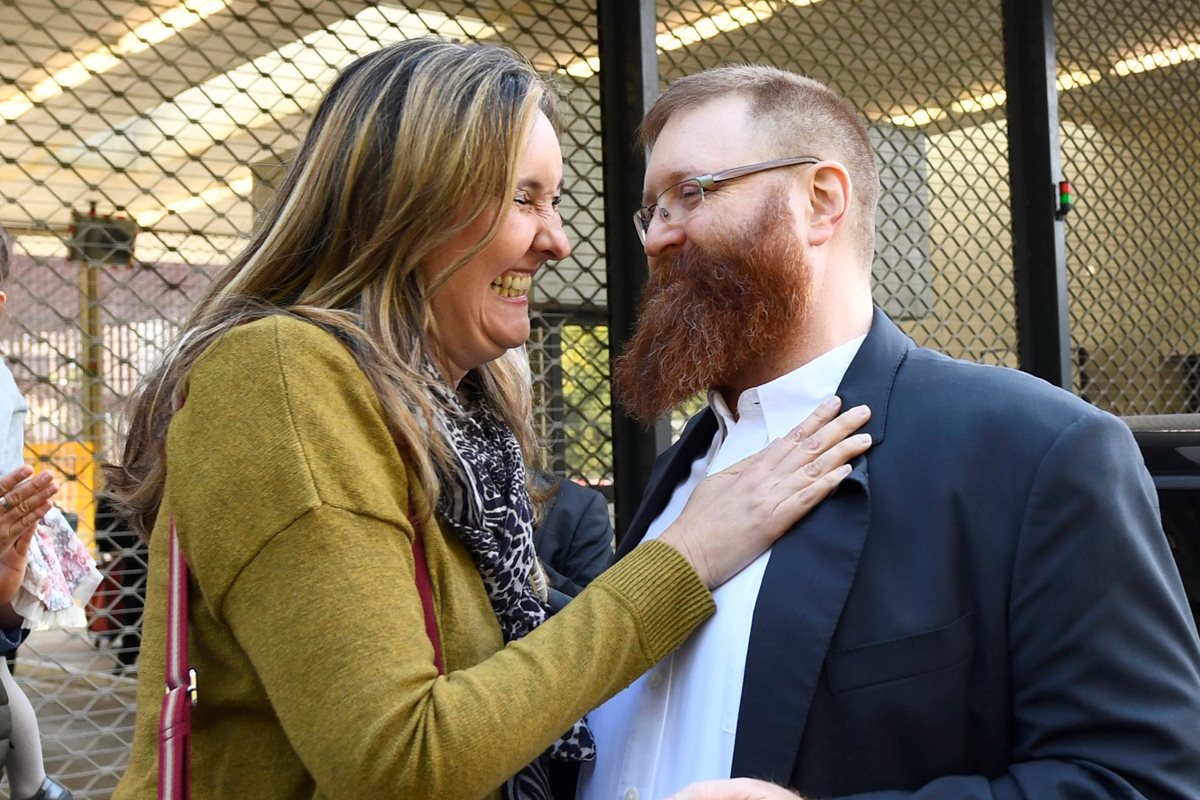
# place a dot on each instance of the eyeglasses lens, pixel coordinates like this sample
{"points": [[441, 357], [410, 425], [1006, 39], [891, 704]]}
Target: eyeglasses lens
{"points": [[672, 205]]}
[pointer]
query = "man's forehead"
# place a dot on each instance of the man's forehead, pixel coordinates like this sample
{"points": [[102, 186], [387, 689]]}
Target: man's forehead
{"points": [[729, 110], [674, 174], [709, 124], [697, 140]]}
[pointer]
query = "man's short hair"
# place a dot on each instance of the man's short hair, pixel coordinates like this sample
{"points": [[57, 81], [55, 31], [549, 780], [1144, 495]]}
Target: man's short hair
{"points": [[803, 116], [6, 249]]}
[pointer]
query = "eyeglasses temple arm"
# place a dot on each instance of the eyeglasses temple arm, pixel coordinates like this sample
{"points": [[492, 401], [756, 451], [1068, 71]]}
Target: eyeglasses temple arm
{"points": [[707, 181]]}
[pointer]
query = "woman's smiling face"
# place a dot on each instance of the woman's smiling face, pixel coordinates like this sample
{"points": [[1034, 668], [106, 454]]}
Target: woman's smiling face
{"points": [[483, 308]]}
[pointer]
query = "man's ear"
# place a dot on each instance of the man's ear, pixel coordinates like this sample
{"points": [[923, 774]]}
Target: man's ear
{"points": [[829, 196], [3, 299]]}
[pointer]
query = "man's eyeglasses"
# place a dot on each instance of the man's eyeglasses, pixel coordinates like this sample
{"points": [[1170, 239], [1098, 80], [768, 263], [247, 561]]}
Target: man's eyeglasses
{"points": [[681, 199]]}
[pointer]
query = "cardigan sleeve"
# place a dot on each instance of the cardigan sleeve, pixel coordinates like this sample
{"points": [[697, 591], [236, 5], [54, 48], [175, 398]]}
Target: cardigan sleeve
{"points": [[362, 703]]}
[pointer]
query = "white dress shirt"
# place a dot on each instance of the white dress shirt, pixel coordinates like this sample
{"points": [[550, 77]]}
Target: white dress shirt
{"points": [[676, 724]]}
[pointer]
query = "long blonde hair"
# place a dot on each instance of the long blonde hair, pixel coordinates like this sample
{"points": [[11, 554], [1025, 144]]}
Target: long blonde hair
{"points": [[408, 147]]}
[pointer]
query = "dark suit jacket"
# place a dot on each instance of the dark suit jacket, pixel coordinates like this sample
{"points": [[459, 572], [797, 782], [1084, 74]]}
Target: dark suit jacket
{"points": [[574, 540], [986, 608]]}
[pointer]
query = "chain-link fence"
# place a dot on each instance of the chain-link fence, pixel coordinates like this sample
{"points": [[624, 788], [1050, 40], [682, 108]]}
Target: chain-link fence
{"points": [[926, 76], [137, 137], [1131, 148]]}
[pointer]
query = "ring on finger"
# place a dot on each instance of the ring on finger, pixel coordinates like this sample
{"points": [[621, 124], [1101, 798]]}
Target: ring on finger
{"points": [[4, 503]]}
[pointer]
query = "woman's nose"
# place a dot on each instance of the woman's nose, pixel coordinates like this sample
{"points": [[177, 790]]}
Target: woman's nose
{"points": [[553, 239]]}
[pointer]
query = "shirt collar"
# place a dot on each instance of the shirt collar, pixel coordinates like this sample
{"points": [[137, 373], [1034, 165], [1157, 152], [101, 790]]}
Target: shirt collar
{"points": [[785, 401]]}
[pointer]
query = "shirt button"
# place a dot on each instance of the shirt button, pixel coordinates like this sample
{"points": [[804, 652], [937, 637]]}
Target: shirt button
{"points": [[631, 795], [654, 681]]}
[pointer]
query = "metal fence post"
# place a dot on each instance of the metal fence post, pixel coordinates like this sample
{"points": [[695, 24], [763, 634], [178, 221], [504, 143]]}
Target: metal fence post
{"points": [[628, 84], [1039, 250]]}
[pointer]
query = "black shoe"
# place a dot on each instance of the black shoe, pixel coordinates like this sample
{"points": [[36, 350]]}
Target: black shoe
{"points": [[52, 790]]}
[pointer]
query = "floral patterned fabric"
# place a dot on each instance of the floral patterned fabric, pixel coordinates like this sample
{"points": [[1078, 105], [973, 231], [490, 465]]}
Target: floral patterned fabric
{"points": [[60, 571]]}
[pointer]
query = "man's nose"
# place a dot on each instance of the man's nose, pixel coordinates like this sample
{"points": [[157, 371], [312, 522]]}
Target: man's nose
{"points": [[663, 237]]}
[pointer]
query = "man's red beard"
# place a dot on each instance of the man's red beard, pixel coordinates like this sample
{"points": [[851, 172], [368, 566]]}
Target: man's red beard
{"points": [[709, 312]]}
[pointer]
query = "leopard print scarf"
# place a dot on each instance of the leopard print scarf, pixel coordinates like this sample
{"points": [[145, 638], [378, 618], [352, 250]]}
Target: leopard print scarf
{"points": [[485, 502]]}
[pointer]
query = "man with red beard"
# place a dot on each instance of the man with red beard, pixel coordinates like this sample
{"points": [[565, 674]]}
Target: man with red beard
{"points": [[986, 608]]}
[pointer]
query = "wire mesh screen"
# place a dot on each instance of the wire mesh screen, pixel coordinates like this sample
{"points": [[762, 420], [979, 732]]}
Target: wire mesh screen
{"points": [[928, 78], [1129, 99], [137, 138]]}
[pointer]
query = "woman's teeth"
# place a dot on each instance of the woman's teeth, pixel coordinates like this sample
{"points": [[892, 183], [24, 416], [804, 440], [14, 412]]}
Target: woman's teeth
{"points": [[512, 285]]}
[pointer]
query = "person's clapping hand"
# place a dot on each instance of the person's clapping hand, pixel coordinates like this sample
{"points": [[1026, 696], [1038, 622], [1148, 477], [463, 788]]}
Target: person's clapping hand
{"points": [[734, 789], [23, 501]]}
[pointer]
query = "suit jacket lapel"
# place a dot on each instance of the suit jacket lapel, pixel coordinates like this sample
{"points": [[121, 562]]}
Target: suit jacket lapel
{"points": [[670, 469], [806, 583]]}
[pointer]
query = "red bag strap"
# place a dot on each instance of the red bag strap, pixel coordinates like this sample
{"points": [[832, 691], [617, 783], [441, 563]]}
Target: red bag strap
{"points": [[425, 590], [175, 721]]}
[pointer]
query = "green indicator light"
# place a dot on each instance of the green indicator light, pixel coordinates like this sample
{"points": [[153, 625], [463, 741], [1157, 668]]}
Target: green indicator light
{"points": [[1066, 199]]}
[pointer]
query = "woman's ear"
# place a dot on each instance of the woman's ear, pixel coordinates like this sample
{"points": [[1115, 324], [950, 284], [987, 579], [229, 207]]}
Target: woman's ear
{"points": [[3, 299], [829, 198]]}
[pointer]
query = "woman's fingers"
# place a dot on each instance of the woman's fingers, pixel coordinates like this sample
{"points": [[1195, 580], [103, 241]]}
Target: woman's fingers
{"points": [[814, 468], [797, 504], [21, 546], [836, 429], [813, 424], [9, 481], [29, 522], [13, 533], [809, 454], [18, 502], [734, 515], [15, 554], [821, 417], [23, 502]]}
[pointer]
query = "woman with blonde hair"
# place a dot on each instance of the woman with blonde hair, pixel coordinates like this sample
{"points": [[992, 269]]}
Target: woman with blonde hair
{"points": [[332, 427]]}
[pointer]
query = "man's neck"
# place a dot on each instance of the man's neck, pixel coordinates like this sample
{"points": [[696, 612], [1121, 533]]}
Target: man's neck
{"points": [[816, 335]]}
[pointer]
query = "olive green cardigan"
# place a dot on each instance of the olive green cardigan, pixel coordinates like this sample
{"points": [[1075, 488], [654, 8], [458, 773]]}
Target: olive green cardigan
{"points": [[316, 675]]}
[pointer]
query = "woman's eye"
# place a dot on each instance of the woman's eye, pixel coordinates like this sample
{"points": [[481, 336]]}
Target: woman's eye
{"points": [[556, 201], [521, 200]]}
